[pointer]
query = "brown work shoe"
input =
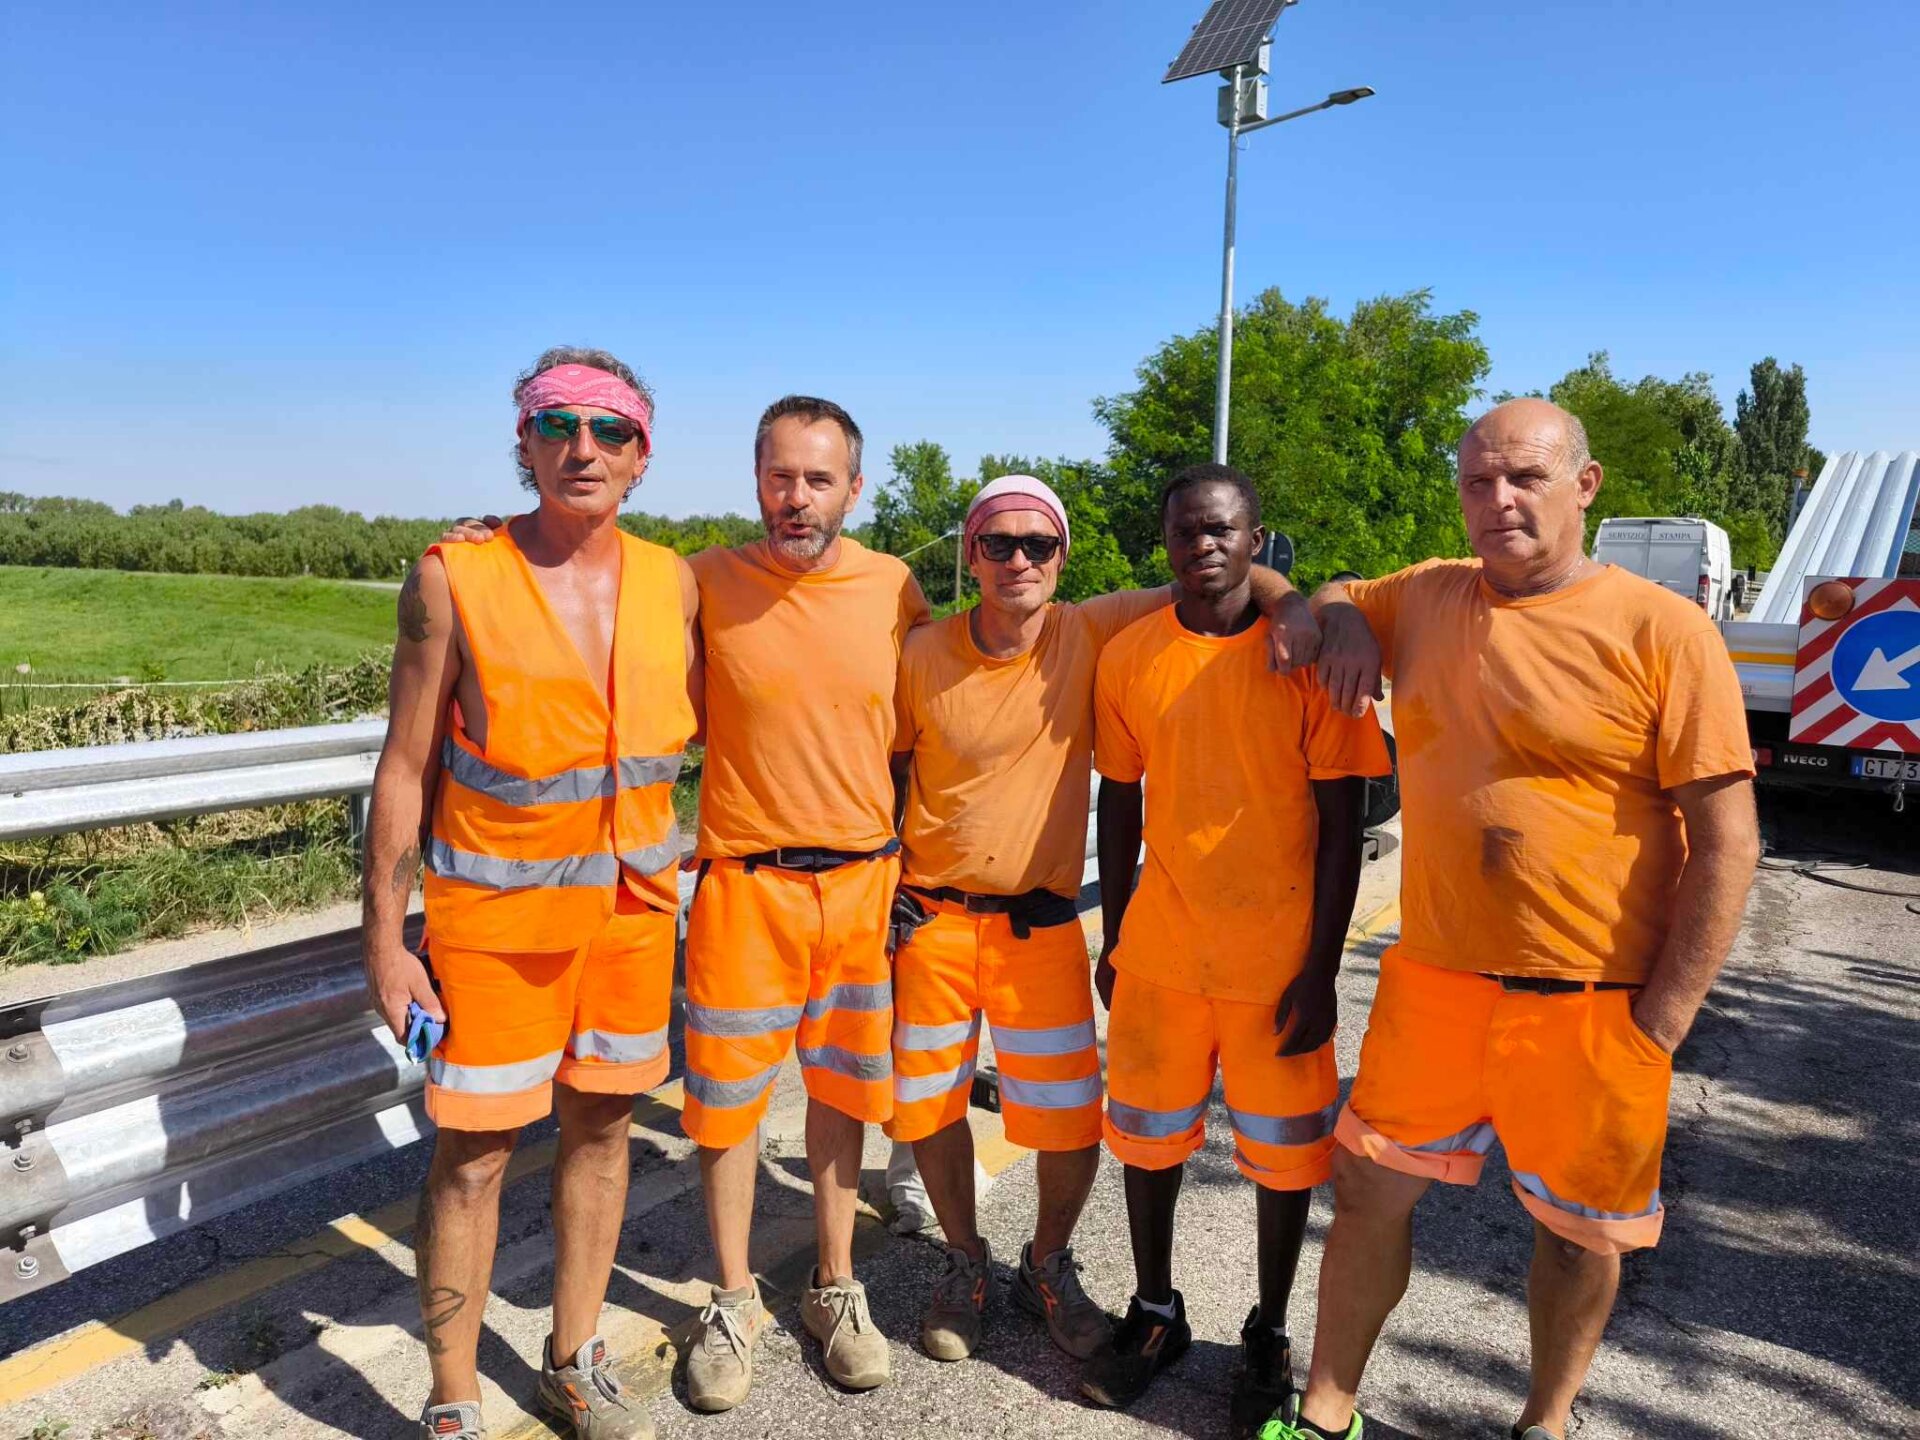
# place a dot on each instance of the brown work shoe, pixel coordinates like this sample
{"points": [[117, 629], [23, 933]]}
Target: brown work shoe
{"points": [[950, 1330], [720, 1359], [837, 1316]]}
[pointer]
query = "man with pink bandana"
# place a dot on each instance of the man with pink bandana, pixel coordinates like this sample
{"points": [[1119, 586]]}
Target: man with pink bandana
{"points": [[543, 688], [994, 753]]}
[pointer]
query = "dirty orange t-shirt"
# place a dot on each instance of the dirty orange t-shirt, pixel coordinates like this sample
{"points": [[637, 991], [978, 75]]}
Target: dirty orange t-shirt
{"points": [[1536, 738], [1003, 749], [1229, 751], [800, 681]]}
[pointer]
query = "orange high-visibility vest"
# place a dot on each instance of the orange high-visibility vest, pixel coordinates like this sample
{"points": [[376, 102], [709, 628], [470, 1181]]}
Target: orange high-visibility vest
{"points": [[568, 800]]}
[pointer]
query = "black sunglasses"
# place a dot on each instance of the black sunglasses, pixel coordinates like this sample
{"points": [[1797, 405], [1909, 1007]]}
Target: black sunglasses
{"points": [[999, 548]]}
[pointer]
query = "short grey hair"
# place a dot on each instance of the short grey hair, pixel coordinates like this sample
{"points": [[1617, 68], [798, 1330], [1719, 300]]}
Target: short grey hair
{"points": [[553, 359], [812, 410]]}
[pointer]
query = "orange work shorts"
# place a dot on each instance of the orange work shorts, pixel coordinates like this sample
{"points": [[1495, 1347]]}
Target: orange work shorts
{"points": [[779, 954], [1163, 1047], [593, 1018], [1038, 996], [1573, 1089]]}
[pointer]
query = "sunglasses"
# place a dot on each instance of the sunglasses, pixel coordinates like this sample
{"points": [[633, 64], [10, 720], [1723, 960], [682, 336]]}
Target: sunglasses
{"points": [[999, 548], [609, 430]]}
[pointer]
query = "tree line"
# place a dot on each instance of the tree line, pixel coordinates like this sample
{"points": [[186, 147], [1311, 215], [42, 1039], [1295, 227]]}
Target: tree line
{"points": [[1346, 424]]}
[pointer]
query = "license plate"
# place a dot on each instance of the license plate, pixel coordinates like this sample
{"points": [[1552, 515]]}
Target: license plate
{"points": [[1873, 768]]}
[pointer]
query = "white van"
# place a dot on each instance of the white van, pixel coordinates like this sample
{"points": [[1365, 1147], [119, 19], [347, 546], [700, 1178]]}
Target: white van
{"points": [[1689, 557]]}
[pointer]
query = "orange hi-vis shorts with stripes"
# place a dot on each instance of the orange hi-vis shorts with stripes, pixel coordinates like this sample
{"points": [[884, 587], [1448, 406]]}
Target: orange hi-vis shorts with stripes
{"points": [[774, 955], [1575, 1091], [1038, 996], [592, 1018], [1163, 1047]]}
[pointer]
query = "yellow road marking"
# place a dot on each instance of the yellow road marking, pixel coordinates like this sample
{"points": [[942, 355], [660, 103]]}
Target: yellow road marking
{"points": [[54, 1362], [1387, 916]]}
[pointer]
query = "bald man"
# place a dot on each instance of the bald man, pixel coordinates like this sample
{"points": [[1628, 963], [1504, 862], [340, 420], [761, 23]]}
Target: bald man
{"points": [[1580, 836]]}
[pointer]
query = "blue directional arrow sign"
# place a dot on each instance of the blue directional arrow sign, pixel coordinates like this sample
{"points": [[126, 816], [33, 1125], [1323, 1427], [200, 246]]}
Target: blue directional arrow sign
{"points": [[1876, 666]]}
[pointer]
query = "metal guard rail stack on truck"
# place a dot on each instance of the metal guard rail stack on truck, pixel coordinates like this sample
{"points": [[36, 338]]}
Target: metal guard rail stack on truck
{"points": [[1829, 661]]}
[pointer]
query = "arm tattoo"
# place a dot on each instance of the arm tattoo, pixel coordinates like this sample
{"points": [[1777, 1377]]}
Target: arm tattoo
{"points": [[413, 608], [404, 868]]}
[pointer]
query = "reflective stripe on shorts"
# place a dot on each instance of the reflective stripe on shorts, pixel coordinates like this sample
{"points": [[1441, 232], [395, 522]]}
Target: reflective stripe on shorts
{"points": [[935, 1037], [909, 1088], [846, 1062], [507, 1079], [729, 1024], [729, 1094], [617, 1049], [1284, 1129], [1057, 1040], [1153, 1124], [1476, 1139], [862, 998], [1049, 1094], [1537, 1188]]}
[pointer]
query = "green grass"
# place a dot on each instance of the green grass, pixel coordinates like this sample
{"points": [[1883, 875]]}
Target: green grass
{"points": [[102, 624]]}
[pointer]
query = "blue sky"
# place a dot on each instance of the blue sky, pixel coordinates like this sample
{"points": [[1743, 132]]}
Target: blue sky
{"points": [[261, 256]]}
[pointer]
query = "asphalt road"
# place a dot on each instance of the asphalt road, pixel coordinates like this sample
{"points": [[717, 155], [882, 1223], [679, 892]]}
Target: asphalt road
{"points": [[1784, 1298]]}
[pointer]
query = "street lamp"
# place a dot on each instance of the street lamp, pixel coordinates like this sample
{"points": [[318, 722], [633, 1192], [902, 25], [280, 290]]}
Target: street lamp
{"points": [[1238, 32]]}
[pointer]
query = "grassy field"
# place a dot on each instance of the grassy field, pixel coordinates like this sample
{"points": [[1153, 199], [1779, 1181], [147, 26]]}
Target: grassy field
{"points": [[102, 624]]}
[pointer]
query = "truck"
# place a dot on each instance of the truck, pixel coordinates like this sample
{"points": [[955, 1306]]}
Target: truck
{"points": [[1829, 658], [1686, 555]]}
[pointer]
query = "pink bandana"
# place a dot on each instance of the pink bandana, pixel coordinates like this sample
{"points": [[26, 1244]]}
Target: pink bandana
{"points": [[584, 385], [1017, 492]]}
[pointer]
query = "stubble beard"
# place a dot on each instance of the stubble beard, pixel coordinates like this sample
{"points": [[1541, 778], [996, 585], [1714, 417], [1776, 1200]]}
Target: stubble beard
{"points": [[810, 549]]}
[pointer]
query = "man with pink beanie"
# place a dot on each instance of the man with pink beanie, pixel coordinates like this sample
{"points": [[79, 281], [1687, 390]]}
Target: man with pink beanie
{"points": [[994, 754]]}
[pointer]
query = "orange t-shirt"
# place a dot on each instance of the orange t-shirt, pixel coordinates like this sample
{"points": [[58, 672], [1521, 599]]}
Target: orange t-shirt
{"points": [[800, 681], [1229, 751], [1003, 749], [1536, 739]]}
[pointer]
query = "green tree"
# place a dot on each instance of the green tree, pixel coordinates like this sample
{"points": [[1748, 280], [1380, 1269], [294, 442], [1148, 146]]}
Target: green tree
{"points": [[918, 503], [1771, 419], [1346, 426]]}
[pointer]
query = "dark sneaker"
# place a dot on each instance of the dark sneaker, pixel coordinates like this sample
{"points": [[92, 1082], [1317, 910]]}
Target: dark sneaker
{"points": [[585, 1395], [458, 1421], [950, 1329], [1285, 1425], [1143, 1346], [1052, 1291], [1266, 1375]]}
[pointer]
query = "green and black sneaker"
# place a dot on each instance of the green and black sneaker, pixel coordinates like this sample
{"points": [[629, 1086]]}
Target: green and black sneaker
{"points": [[1286, 1424], [1143, 1346]]}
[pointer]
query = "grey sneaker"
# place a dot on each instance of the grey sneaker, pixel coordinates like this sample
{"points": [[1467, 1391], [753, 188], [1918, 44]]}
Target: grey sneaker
{"points": [[1052, 1291], [951, 1327], [837, 1316], [584, 1393], [458, 1421], [720, 1362]]}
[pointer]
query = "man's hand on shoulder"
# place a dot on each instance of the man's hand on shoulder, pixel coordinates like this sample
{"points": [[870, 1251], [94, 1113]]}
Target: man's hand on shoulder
{"points": [[469, 530], [1350, 660], [1294, 637]]}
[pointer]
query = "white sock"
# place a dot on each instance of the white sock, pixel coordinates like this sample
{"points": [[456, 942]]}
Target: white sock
{"points": [[1165, 1312]]}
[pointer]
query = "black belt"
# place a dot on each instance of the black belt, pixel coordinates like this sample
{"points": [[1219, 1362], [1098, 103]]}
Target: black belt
{"points": [[1541, 985], [812, 859], [1034, 910]]}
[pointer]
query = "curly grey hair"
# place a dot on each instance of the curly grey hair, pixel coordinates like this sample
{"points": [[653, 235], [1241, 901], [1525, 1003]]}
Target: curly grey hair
{"points": [[571, 355]]}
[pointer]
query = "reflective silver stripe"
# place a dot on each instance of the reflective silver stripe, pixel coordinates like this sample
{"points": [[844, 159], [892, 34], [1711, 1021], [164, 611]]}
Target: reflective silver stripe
{"points": [[934, 1037], [652, 859], [846, 1062], [909, 1088], [1283, 1129], [638, 771], [851, 997], [1060, 1040], [493, 1079], [729, 1094], [1049, 1094], [497, 873], [618, 1049], [590, 782], [739, 1024], [1537, 1187], [1150, 1124], [1477, 1138]]}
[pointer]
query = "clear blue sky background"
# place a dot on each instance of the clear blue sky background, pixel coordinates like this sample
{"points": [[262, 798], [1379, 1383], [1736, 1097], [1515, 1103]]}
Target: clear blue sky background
{"points": [[261, 256]]}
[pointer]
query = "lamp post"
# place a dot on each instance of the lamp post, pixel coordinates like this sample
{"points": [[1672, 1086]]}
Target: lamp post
{"points": [[1243, 102]]}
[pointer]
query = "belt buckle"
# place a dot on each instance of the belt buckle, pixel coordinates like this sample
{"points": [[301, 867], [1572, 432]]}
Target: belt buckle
{"points": [[1520, 985], [979, 904], [782, 860]]}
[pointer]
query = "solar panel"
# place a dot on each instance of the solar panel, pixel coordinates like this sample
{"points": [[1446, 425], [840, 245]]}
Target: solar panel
{"points": [[1228, 34]]}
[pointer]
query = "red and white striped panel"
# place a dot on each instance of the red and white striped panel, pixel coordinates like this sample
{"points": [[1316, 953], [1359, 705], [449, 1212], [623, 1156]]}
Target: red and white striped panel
{"points": [[1820, 715]]}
